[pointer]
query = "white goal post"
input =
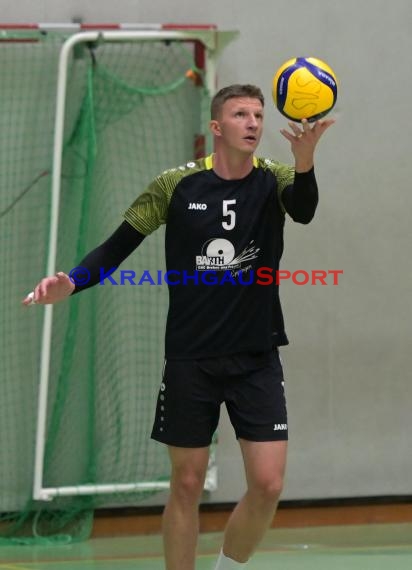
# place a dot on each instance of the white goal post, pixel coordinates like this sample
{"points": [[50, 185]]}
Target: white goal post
{"points": [[213, 42]]}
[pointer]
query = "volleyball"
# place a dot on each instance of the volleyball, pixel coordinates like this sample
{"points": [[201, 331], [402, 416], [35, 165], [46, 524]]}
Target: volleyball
{"points": [[304, 88]]}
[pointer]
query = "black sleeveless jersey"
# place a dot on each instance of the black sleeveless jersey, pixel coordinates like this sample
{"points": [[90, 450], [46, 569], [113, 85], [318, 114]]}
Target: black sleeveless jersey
{"points": [[224, 241]]}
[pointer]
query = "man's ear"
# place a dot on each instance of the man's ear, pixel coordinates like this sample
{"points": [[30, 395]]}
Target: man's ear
{"points": [[215, 128]]}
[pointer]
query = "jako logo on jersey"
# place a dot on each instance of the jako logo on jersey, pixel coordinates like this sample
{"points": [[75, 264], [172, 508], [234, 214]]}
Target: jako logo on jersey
{"points": [[280, 427], [196, 206]]}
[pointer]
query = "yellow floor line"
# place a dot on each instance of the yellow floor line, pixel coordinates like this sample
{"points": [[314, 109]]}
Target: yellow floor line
{"points": [[12, 567]]}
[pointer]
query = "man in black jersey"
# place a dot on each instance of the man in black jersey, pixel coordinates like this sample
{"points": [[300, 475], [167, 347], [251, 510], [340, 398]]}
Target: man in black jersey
{"points": [[224, 217]]}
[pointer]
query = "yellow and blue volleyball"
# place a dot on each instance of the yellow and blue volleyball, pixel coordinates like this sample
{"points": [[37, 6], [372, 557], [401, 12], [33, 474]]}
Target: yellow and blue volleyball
{"points": [[304, 88]]}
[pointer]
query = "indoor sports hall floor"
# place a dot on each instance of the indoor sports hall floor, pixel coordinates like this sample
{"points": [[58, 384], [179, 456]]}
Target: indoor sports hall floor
{"points": [[349, 547]]}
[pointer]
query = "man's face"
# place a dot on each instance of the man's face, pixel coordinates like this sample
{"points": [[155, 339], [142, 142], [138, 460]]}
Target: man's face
{"points": [[239, 124]]}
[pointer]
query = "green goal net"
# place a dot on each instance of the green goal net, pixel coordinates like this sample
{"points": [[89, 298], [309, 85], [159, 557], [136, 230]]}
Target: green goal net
{"points": [[133, 109]]}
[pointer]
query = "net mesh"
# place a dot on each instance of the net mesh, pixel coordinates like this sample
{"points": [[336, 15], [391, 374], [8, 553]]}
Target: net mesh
{"points": [[132, 111]]}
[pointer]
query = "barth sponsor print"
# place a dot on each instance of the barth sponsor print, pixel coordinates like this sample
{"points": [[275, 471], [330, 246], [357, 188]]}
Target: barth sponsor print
{"points": [[218, 254]]}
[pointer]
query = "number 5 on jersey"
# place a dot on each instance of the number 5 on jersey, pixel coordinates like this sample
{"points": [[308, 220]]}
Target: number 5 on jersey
{"points": [[229, 213]]}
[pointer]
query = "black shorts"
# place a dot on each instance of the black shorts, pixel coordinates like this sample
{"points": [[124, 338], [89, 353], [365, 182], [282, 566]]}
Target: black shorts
{"points": [[192, 391]]}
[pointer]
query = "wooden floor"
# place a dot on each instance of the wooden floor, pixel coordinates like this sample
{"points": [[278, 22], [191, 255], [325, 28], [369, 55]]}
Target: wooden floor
{"points": [[126, 522]]}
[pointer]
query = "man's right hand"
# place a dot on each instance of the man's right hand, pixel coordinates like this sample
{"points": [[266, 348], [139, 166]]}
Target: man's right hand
{"points": [[50, 290]]}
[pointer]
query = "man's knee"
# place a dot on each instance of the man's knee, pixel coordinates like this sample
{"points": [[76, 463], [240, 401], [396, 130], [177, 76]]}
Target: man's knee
{"points": [[267, 489], [187, 486]]}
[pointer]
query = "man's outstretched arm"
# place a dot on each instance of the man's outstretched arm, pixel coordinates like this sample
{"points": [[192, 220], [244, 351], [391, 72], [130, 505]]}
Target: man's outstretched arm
{"points": [[109, 255]]}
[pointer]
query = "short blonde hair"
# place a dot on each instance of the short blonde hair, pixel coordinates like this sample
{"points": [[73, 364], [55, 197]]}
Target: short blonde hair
{"points": [[232, 92]]}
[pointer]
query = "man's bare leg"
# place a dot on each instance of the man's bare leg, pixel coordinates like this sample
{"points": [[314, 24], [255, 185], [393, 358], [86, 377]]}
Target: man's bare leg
{"points": [[264, 466], [181, 514]]}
